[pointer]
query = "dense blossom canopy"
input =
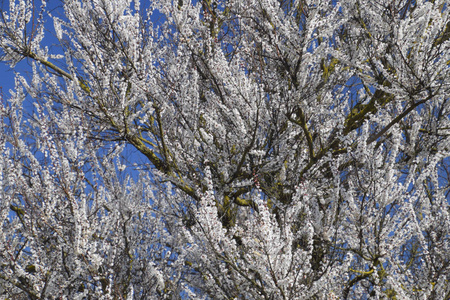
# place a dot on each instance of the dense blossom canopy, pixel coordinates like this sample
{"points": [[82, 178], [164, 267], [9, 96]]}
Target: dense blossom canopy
{"points": [[228, 149]]}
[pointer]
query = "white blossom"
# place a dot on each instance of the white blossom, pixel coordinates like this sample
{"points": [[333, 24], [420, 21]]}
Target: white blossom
{"points": [[225, 150]]}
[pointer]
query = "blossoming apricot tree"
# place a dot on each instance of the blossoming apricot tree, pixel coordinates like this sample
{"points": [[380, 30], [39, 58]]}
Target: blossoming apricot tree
{"points": [[288, 149]]}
